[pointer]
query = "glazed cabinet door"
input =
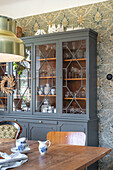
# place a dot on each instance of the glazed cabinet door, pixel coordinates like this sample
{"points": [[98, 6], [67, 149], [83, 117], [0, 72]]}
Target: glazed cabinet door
{"points": [[21, 98], [74, 77], [45, 80]]}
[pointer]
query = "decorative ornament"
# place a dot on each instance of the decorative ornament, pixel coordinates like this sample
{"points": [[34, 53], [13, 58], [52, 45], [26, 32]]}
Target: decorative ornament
{"points": [[40, 32], [11, 82], [53, 28], [81, 20]]}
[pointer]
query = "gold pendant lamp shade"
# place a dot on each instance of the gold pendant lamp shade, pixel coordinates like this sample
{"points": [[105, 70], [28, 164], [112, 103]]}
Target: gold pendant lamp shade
{"points": [[12, 49]]}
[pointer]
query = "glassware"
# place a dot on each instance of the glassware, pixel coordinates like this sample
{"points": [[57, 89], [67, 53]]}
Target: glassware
{"points": [[84, 73], [75, 93], [49, 109], [67, 94], [71, 109], [47, 89], [70, 74], [53, 91], [54, 110], [79, 73], [80, 54], [82, 94], [67, 56], [54, 72], [73, 74], [41, 90], [77, 110], [74, 45], [46, 102], [84, 54]]}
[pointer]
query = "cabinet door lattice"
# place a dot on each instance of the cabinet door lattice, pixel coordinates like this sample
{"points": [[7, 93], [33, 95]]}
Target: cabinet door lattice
{"points": [[46, 78], [74, 77], [22, 92]]}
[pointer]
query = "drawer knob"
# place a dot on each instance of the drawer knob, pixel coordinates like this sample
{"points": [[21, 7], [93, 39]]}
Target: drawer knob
{"points": [[40, 121]]}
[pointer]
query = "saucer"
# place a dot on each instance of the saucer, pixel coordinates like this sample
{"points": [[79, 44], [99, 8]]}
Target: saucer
{"points": [[26, 150]]}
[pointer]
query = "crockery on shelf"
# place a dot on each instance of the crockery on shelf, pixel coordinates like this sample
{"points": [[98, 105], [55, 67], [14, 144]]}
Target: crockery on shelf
{"points": [[53, 91], [47, 89], [80, 54], [54, 110], [41, 90], [46, 102]]}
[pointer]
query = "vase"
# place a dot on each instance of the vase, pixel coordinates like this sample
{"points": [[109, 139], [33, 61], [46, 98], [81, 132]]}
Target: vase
{"points": [[47, 89]]}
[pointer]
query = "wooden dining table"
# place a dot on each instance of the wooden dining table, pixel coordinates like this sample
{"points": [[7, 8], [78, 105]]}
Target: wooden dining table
{"points": [[57, 157]]}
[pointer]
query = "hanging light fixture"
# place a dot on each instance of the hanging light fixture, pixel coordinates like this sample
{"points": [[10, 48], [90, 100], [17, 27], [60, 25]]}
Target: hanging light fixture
{"points": [[12, 49]]}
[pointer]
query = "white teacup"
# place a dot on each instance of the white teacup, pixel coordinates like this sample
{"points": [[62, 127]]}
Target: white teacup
{"points": [[53, 91], [21, 144]]}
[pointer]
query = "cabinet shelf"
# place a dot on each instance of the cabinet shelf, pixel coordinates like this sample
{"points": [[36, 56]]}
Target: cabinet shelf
{"points": [[3, 64], [46, 59], [65, 48], [20, 96], [3, 97], [28, 60], [24, 78], [75, 98], [1, 105], [75, 79], [80, 59], [47, 95], [47, 77]]}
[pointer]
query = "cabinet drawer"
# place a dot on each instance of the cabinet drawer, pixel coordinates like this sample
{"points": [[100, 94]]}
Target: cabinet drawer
{"points": [[72, 126], [47, 122], [38, 131]]}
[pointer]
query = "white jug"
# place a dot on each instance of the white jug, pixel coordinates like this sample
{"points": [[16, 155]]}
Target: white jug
{"points": [[43, 146]]}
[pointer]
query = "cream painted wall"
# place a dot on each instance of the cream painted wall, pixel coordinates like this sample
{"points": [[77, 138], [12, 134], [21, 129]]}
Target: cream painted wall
{"points": [[23, 8]]}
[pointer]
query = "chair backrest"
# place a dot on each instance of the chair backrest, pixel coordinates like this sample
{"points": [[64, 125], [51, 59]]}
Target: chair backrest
{"points": [[10, 129], [71, 138]]}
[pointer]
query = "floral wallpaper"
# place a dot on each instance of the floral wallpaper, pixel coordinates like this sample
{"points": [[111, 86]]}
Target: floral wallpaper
{"points": [[98, 17]]}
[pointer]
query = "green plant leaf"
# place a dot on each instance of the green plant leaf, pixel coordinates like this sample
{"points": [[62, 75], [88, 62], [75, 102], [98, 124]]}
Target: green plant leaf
{"points": [[19, 72]]}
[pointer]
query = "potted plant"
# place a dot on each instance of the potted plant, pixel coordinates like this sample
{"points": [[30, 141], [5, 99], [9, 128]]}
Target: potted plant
{"points": [[19, 68]]}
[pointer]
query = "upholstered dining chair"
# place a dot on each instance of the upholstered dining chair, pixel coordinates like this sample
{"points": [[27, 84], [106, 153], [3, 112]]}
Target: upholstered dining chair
{"points": [[71, 138], [10, 129]]}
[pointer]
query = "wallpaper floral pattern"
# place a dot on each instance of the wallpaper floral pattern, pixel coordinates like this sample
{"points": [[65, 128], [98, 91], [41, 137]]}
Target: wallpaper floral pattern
{"points": [[98, 17]]}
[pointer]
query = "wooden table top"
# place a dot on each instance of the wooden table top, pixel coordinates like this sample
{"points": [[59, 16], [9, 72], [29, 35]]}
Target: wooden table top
{"points": [[58, 157]]}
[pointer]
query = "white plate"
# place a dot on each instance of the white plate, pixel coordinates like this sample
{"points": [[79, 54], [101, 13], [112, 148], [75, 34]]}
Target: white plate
{"points": [[24, 151]]}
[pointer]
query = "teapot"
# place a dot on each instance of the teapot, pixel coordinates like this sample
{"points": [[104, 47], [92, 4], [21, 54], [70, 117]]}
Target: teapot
{"points": [[43, 146]]}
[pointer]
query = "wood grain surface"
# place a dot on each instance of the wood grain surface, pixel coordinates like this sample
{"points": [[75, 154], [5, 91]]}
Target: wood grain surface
{"points": [[71, 138], [58, 157]]}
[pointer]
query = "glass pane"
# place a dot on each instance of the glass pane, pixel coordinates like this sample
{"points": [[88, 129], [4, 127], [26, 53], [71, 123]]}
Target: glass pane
{"points": [[22, 92], [3, 96], [46, 78], [74, 77]]}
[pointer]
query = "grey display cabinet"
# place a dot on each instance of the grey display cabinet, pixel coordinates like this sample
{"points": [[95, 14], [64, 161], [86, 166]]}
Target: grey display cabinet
{"points": [[56, 85]]}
